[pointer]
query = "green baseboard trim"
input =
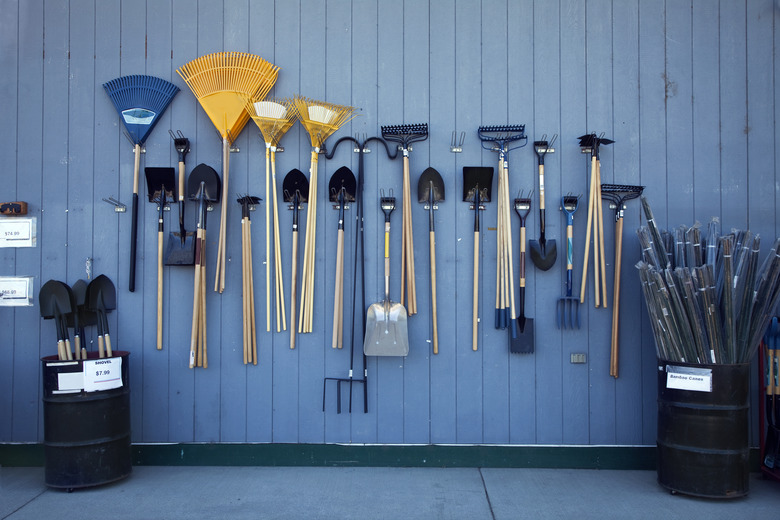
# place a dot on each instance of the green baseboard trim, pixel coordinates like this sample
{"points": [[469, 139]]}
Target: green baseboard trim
{"points": [[437, 456]]}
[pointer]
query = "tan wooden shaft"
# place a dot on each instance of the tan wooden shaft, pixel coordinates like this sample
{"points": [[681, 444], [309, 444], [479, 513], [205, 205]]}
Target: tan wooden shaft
{"points": [[268, 237], [182, 175], [63, 356], [336, 340], [603, 265], [253, 327], [136, 166], [244, 294], [204, 362], [77, 347], [68, 351], [280, 310], [107, 339], [293, 283], [101, 348], [196, 300], [591, 192]]}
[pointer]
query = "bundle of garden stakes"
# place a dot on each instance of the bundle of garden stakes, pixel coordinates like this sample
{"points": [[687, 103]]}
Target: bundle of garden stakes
{"points": [[708, 299]]}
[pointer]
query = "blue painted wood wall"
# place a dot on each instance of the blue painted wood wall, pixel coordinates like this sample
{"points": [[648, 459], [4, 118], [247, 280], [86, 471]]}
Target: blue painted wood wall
{"points": [[687, 88]]}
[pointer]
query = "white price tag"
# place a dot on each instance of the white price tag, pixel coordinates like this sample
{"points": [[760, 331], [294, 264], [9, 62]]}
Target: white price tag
{"points": [[17, 232], [102, 374], [15, 290], [689, 378]]}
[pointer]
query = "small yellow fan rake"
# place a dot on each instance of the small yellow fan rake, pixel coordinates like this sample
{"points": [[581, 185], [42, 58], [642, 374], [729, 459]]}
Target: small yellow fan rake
{"points": [[222, 82], [320, 120], [273, 118]]}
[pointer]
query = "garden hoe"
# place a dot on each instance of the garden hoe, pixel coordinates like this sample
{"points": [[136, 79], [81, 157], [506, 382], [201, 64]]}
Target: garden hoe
{"points": [[161, 186], [543, 252], [430, 191], [524, 341], [477, 187], [181, 245], [386, 331], [296, 191], [568, 310], [342, 187], [203, 186]]}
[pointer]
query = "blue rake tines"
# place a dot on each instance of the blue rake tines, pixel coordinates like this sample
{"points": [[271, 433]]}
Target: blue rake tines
{"points": [[140, 101]]}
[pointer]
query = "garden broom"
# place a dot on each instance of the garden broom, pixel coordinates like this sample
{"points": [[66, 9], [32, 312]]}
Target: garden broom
{"points": [[222, 81], [274, 118], [320, 120], [140, 101]]}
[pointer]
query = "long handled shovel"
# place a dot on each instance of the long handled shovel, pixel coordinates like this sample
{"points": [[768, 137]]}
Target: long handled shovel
{"points": [[543, 252], [295, 187], [618, 194], [161, 186], [568, 310], [525, 326], [204, 186], [181, 245], [342, 187], [386, 330], [430, 191], [477, 187]]}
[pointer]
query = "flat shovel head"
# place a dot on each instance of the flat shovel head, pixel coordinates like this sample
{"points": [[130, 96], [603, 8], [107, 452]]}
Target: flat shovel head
{"points": [[159, 180], [178, 251], [386, 330], [521, 336], [477, 178], [543, 254], [430, 180]]}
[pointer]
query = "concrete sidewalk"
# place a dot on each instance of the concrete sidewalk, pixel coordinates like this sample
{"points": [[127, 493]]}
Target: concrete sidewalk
{"points": [[215, 492]]}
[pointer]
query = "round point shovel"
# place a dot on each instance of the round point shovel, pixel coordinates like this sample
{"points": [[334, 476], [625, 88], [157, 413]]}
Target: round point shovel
{"points": [[430, 190], [295, 187], [101, 295], [342, 188]]}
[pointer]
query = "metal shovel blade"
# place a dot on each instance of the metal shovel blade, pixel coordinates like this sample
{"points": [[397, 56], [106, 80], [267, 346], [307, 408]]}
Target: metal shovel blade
{"points": [[543, 253], [386, 330], [212, 184], [521, 336], [430, 181], [178, 251]]}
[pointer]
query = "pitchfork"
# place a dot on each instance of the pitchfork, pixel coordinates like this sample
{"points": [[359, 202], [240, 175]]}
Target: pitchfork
{"points": [[568, 310]]}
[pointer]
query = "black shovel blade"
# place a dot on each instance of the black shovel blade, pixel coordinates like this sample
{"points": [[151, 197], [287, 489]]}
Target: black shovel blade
{"points": [[101, 294], [543, 253], [477, 178], [86, 317], [521, 336], [212, 184], [54, 299], [430, 181], [160, 180], [178, 251], [342, 178], [295, 181]]}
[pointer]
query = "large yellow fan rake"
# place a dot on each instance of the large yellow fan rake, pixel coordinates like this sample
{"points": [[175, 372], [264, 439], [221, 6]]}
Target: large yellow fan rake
{"points": [[320, 120], [222, 81], [274, 118]]}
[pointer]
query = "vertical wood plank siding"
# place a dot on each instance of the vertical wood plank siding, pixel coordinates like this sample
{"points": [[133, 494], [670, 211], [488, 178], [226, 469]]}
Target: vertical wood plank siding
{"points": [[686, 88]]}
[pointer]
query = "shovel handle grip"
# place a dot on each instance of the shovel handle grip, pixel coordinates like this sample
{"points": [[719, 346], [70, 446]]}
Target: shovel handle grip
{"points": [[181, 181]]}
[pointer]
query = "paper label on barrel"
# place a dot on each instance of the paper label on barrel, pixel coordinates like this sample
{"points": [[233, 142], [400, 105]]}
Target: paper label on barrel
{"points": [[102, 374], [689, 378]]}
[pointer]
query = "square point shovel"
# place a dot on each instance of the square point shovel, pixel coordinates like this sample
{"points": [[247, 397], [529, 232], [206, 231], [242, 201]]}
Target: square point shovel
{"points": [[477, 188], [386, 331], [181, 245], [523, 340]]}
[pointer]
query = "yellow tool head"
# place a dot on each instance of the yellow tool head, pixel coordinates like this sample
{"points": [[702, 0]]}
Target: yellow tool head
{"points": [[273, 117], [223, 80], [321, 119]]}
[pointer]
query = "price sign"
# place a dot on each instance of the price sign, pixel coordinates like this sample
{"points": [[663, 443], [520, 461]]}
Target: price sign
{"points": [[15, 291], [102, 374], [17, 232]]}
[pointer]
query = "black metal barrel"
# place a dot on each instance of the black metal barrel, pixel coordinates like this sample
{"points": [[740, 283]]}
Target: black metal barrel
{"points": [[703, 436], [86, 434]]}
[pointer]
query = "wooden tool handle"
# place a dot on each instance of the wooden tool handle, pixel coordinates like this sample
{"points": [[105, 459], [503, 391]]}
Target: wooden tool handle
{"points": [[68, 350], [77, 346], [602, 266], [432, 243], [336, 340], [196, 298], [159, 290], [613, 367], [182, 175], [101, 347], [244, 296], [475, 307], [219, 278], [293, 283], [250, 273], [61, 354], [541, 191], [591, 202], [109, 351], [267, 238], [280, 310]]}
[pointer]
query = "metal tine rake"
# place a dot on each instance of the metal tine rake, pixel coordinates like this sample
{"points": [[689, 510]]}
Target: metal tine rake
{"points": [[500, 139], [568, 308]]}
